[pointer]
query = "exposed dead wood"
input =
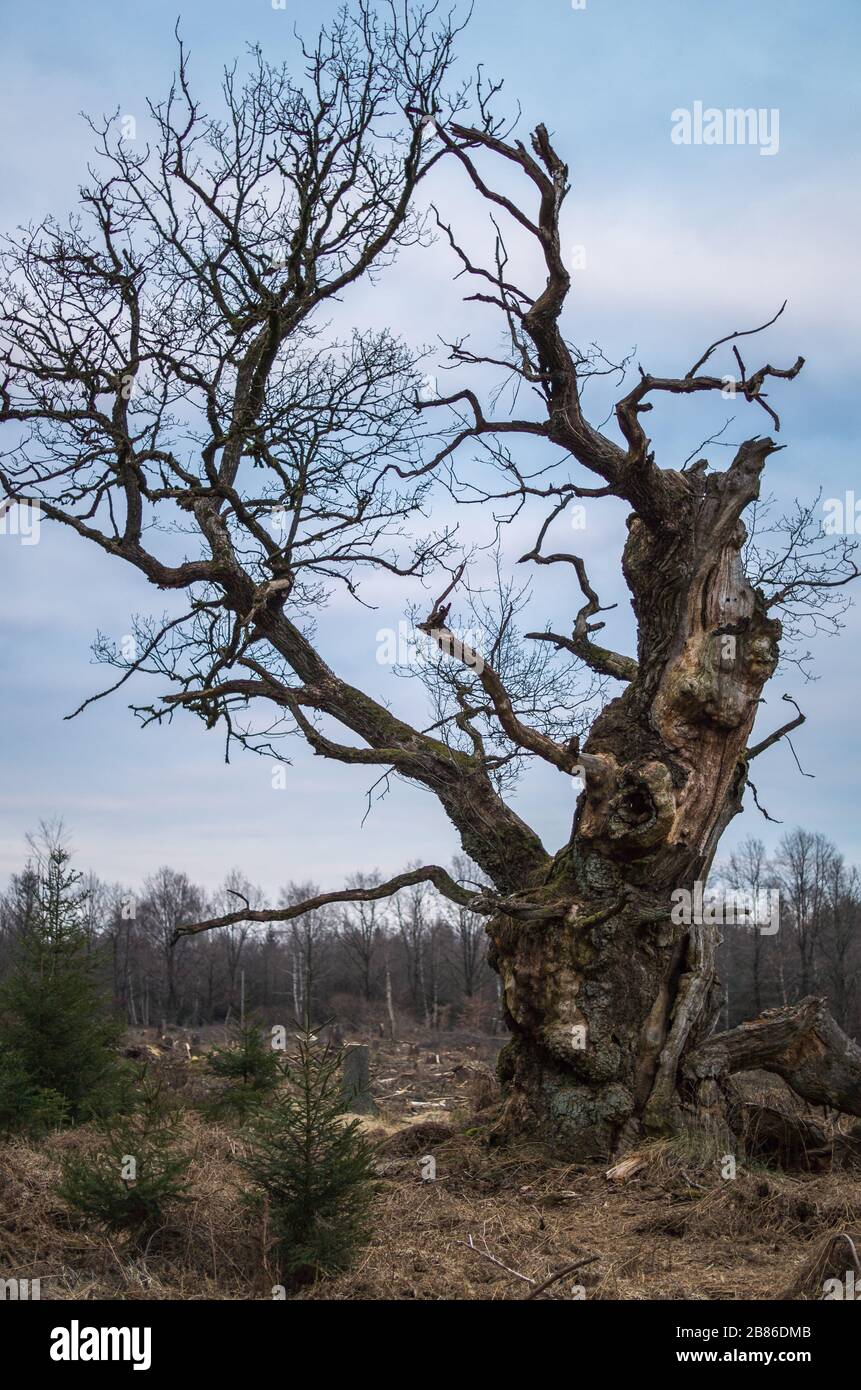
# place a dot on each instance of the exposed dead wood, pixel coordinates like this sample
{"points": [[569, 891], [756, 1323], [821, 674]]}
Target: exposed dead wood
{"points": [[627, 1168], [802, 1043], [539, 1289], [561, 1273], [486, 1255]]}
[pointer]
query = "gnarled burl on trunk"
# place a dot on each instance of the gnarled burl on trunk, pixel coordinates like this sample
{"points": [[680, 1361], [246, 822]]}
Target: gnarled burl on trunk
{"points": [[608, 996]]}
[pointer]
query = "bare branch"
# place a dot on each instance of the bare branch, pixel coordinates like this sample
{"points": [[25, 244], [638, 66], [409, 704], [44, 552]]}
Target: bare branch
{"points": [[778, 734], [431, 873], [600, 659]]}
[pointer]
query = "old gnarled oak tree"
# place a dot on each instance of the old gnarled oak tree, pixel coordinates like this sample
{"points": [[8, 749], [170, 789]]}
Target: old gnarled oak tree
{"points": [[165, 357]]}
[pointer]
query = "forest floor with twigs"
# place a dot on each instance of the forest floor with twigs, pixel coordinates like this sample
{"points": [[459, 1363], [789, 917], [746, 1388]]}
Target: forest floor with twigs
{"points": [[491, 1223]]}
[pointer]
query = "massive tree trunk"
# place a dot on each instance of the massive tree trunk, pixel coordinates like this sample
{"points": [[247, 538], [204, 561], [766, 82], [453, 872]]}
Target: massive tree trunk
{"points": [[607, 996]]}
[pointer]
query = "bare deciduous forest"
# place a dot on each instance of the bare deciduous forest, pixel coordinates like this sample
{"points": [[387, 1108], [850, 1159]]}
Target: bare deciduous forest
{"points": [[424, 955], [608, 1053]]}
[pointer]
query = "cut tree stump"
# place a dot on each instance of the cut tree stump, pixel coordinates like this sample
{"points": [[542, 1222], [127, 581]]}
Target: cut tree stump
{"points": [[356, 1080]]}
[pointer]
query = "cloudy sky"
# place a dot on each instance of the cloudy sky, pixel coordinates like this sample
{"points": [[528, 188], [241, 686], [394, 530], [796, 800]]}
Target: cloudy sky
{"points": [[681, 244]]}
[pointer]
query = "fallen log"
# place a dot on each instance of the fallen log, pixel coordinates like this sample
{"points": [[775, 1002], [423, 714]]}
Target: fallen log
{"points": [[801, 1043]]}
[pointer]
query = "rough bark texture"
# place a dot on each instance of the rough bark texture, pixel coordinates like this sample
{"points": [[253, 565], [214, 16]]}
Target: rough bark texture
{"points": [[802, 1043], [606, 1000]]}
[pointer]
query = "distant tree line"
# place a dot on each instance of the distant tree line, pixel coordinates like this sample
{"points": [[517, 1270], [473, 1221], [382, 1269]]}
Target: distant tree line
{"points": [[816, 948], [415, 959], [418, 959]]}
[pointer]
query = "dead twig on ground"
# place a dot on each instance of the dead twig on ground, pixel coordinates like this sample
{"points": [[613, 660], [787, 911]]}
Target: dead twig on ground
{"points": [[560, 1274]]}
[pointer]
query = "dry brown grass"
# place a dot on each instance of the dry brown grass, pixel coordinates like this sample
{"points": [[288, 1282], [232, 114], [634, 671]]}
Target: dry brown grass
{"points": [[206, 1249], [670, 1227], [670, 1231]]}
